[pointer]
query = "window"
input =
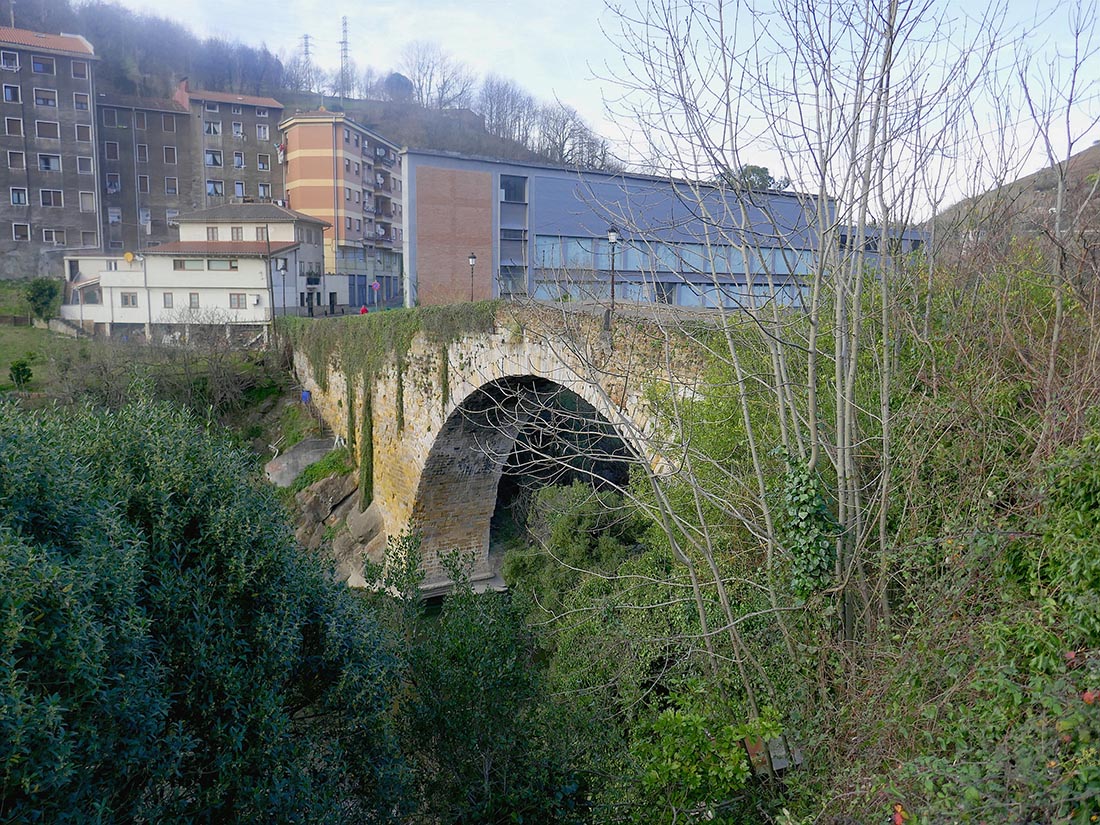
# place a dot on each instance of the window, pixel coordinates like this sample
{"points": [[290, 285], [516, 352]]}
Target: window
{"points": [[171, 217], [17, 160], [115, 245], [347, 223], [238, 130], [264, 190], [114, 214], [211, 233], [20, 231], [110, 117], [18, 197], [347, 193], [87, 201], [139, 120], [171, 186], [212, 127], [168, 123], [238, 188], [167, 300], [347, 136], [236, 233], [110, 150], [80, 70], [54, 236], [84, 166], [221, 265], [11, 94], [83, 133], [143, 184], [81, 102], [513, 189], [263, 131], [129, 299], [211, 106], [261, 233], [237, 300], [170, 155], [45, 97], [193, 300], [263, 162], [347, 165], [145, 217], [49, 163], [114, 183], [358, 225], [42, 65], [13, 126], [51, 197], [50, 129], [87, 238], [215, 188], [260, 112], [237, 110], [9, 60], [238, 160], [213, 157], [187, 264]]}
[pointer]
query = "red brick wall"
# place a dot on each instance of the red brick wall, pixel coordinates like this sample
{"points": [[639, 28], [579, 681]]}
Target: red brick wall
{"points": [[454, 217]]}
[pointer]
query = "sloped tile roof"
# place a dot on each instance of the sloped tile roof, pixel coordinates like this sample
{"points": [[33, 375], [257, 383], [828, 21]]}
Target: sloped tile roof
{"points": [[231, 97], [66, 43], [249, 212]]}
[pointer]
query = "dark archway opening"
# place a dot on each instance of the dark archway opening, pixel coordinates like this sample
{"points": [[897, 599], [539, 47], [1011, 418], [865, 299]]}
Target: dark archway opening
{"points": [[560, 439]]}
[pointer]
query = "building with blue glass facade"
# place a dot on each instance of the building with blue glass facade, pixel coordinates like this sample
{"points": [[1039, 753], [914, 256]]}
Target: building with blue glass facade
{"points": [[476, 228]]}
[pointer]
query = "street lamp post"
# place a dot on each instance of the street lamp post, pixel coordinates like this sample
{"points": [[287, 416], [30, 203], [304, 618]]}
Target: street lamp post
{"points": [[473, 260], [612, 241]]}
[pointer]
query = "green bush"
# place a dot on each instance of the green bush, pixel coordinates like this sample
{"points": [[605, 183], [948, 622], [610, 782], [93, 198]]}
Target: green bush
{"points": [[42, 295], [165, 653]]}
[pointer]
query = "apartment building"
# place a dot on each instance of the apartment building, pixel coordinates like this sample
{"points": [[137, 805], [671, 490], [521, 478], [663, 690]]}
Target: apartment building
{"points": [[235, 146], [235, 266], [349, 176], [50, 199], [144, 144]]}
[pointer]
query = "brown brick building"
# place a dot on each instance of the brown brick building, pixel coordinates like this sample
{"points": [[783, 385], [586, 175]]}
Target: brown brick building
{"points": [[349, 176]]}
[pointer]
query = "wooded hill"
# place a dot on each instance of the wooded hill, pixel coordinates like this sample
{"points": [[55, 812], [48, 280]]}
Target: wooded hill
{"points": [[431, 101]]}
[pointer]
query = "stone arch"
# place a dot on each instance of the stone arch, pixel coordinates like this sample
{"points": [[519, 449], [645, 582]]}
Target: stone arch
{"points": [[457, 489]]}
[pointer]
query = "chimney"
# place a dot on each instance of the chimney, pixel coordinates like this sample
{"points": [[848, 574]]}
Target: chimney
{"points": [[182, 95]]}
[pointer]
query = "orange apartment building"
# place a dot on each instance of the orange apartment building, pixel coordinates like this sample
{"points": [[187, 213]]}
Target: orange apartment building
{"points": [[345, 174]]}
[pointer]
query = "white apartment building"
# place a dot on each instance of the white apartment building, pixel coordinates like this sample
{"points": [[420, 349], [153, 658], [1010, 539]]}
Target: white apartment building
{"points": [[235, 266]]}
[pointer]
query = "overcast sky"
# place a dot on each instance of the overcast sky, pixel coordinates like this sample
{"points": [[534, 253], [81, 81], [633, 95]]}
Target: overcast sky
{"points": [[556, 49], [553, 49]]}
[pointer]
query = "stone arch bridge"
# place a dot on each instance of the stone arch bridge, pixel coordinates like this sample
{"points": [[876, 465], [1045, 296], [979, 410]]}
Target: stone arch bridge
{"points": [[435, 424]]}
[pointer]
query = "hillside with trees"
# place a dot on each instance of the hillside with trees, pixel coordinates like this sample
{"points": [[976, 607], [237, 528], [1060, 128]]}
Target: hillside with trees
{"points": [[430, 101]]}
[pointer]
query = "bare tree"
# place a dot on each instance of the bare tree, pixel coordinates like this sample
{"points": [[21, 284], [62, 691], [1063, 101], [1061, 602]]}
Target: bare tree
{"points": [[439, 80], [509, 111]]}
